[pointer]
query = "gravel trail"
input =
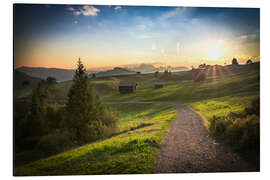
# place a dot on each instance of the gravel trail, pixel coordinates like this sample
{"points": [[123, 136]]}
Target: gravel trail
{"points": [[188, 148]]}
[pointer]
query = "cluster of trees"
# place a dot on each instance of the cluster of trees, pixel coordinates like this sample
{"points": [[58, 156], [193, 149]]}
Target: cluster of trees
{"points": [[235, 62], [199, 74], [167, 75], [52, 128], [49, 80]]}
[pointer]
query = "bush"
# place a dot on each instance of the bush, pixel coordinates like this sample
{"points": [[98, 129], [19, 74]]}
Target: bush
{"points": [[249, 61], [234, 61], [54, 142], [240, 130], [54, 116], [51, 80], [254, 108], [110, 121]]}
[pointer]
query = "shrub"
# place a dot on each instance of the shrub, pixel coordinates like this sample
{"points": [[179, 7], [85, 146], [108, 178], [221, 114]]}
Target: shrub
{"points": [[50, 80], [254, 108], [25, 83], [249, 61], [54, 116], [110, 121], [234, 61], [240, 130], [54, 142], [156, 74]]}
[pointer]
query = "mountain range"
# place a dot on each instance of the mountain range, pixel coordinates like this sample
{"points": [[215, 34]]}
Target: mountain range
{"points": [[43, 73], [67, 74]]}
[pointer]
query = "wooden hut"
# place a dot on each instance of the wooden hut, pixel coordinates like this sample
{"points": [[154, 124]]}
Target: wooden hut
{"points": [[159, 85], [127, 87]]}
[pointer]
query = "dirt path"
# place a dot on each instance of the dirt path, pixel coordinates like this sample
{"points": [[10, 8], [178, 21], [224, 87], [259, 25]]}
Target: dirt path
{"points": [[188, 147]]}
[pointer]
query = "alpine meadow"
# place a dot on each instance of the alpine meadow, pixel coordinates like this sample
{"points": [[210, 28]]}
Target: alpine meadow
{"points": [[101, 89]]}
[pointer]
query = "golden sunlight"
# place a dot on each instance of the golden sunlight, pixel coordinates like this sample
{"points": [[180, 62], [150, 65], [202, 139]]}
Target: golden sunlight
{"points": [[214, 52]]}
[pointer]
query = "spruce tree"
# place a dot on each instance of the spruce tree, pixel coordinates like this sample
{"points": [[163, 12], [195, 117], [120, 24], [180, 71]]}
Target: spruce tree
{"points": [[84, 110]]}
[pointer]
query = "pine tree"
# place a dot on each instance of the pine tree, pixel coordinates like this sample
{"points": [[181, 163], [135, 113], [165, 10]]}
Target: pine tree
{"points": [[84, 110], [34, 123]]}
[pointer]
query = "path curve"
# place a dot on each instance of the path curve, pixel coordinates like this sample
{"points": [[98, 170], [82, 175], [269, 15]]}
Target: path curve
{"points": [[188, 148]]}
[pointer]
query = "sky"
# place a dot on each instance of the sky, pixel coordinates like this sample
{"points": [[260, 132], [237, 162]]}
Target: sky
{"points": [[109, 36]]}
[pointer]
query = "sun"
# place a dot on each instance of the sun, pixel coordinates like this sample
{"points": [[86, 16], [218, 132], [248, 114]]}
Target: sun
{"points": [[214, 53]]}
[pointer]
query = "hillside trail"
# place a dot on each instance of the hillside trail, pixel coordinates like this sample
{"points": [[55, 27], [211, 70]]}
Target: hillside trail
{"points": [[189, 148]]}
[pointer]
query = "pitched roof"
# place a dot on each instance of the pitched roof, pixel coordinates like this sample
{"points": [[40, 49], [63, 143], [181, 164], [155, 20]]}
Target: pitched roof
{"points": [[127, 84]]}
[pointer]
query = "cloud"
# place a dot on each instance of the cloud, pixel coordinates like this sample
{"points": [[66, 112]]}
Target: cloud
{"points": [[89, 11], [174, 12], [163, 53], [77, 13], [154, 46], [117, 8], [70, 8], [178, 48], [85, 10], [248, 36]]}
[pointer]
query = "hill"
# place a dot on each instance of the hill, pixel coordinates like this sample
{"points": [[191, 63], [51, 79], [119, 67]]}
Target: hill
{"points": [[132, 150], [114, 71], [20, 78], [227, 89], [151, 68], [40, 72]]}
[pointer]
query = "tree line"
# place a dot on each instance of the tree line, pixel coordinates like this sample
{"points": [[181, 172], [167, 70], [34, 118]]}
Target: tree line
{"points": [[52, 128]]}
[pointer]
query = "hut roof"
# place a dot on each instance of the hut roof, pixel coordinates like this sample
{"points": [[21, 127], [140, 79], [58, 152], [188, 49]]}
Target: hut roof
{"points": [[159, 83], [127, 84]]}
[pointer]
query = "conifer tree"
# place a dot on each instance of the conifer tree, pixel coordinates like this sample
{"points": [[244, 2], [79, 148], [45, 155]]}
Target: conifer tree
{"points": [[84, 110], [34, 122]]}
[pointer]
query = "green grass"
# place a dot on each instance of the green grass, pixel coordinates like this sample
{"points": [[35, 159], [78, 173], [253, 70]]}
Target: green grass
{"points": [[133, 150], [222, 106], [142, 126]]}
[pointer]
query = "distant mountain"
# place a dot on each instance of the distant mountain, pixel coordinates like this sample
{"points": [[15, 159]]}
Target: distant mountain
{"points": [[179, 68], [20, 78], [114, 71], [151, 68], [144, 68], [40, 72]]}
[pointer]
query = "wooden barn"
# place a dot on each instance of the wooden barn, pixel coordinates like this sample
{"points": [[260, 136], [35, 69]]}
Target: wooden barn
{"points": [[159, 85], [127, 87]]}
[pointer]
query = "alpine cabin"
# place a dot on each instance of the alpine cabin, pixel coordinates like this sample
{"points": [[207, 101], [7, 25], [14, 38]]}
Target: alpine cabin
{"points": [[127, 87]]}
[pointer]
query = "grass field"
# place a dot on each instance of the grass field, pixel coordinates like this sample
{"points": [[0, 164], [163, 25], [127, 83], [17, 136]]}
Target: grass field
{"points": [[133, 150], [142, 125]]}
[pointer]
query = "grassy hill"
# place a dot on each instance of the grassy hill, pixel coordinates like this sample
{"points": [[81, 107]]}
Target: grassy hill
{"points": [[43, 73], [143, 125], [132, 150], [20, 78], [115, 71]]}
